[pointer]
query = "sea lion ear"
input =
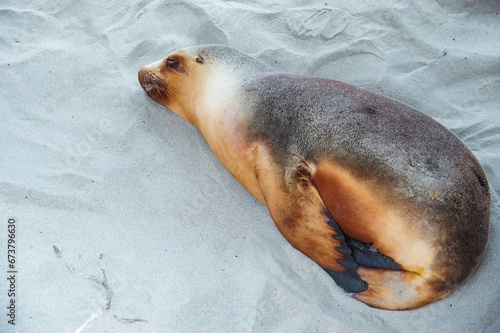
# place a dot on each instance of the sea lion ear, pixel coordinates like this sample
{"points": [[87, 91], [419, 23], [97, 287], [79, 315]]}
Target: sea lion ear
{"points": [[176, 65]]}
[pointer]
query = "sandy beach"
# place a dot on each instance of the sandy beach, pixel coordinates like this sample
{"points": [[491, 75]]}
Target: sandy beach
{"points": [[124, 219]]}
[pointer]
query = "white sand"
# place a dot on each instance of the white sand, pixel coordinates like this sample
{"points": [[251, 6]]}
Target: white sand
{"points": [[117, 183]]}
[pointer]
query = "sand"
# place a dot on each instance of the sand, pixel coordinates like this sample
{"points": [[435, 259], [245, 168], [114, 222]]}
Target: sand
{"points": [[126, 222]]}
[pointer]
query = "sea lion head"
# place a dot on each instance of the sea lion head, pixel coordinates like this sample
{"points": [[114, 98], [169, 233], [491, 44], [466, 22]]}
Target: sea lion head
{"points": [[176, 80], [186, 79]]}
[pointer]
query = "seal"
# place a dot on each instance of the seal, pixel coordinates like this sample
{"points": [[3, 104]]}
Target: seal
{"points": [[391, 204]]}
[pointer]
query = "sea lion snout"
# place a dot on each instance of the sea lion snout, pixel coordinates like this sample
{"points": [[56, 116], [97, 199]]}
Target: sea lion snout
{"points": [[153, 84]]}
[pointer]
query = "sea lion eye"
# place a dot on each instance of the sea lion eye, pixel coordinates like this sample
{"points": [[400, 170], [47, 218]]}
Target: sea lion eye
{"points": [[200, 60], [176, 65], [172, 63]]}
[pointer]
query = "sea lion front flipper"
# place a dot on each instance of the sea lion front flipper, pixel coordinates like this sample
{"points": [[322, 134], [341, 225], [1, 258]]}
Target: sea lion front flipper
{"points": [[303, 219]]}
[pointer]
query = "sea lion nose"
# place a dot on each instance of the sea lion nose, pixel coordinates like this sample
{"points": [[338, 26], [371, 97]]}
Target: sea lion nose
{"points": [[142, 76]]}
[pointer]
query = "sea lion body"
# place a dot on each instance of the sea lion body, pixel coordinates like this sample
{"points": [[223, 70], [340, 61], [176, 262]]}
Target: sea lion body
{"points": [[385, 199]]}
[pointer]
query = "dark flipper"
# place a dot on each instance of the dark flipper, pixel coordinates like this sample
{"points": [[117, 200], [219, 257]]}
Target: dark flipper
{"points": [[303, 219], [367, 255], [349, 280]]}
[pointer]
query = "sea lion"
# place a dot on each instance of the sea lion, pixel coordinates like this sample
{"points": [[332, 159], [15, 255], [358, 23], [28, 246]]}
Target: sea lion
{"points": [[386, 200]]}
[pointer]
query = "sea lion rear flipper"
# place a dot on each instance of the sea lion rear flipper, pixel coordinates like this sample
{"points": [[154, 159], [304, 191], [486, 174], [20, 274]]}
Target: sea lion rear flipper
{"points": [[303, 219], [348, 280], [366, 255]]}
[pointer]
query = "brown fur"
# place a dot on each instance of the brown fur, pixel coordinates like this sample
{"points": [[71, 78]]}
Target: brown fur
{"points": [[332, 160]]}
